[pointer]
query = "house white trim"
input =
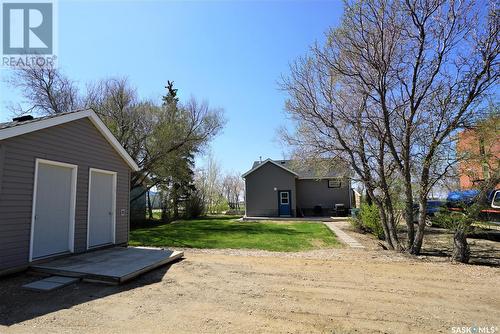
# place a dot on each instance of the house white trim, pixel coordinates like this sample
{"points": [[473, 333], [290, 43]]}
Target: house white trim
{"points": [[265, 162], [69, 117], [113, 201], [72, 211]]}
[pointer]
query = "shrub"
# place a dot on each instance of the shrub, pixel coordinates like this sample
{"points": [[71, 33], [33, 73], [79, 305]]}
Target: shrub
{"points": [[355, 220], [221, 206], [370, 220], [195, 206], [234, 212]]}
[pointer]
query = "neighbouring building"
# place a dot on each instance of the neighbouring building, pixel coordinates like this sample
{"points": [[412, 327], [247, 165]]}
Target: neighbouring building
{"points": [[481, 150], [289, 188], [64, 188]]}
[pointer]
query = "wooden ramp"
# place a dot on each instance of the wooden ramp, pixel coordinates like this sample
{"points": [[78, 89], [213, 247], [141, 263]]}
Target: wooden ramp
{"points": [[112, 265]]}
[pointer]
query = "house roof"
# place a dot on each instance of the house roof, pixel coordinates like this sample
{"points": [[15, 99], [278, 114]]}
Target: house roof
{"points": [[13, 129], [258, 164], [301, 169]]}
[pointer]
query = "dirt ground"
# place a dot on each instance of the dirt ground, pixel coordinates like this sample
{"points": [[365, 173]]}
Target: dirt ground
{"points": [[230, 291], [438, 245]]}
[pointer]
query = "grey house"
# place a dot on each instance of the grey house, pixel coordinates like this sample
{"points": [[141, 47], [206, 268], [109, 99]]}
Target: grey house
{"points": [[64, 188], [289, 188]]}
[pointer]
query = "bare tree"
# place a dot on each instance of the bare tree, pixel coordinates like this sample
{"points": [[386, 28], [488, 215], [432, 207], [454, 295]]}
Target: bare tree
{"points": [[233, 185], [448, 66], [162, 139], [422, 68], [117, 104], [46, 90], [332, 124], [209, 181]]}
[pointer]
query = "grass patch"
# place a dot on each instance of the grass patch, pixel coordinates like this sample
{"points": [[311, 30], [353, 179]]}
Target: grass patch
{"points": [[225, 232]]}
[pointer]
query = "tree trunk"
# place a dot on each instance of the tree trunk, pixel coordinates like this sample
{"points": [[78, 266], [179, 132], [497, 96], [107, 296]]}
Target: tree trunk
{"points": [[164, 214], [422, 208], [150, 207], [419, 236], [175, 204], [409, 216], [383, 220], [368, 198], [164, 211], [176, 210], [461, 250], [391, 226]]}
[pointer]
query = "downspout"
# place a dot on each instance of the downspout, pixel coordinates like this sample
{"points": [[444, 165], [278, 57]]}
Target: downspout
{"points": [[128, 208], [246, 206], [2, 161]]}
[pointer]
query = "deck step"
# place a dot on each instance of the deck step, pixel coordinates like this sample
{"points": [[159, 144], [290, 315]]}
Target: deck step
{"points": [[50, 283]]}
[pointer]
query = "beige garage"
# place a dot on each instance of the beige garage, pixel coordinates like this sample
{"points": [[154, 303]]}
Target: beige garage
{"points": [[64, 188]]}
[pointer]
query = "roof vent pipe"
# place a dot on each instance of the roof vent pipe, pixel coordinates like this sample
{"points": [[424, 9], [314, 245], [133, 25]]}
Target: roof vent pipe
{"points": [[22, 118]]}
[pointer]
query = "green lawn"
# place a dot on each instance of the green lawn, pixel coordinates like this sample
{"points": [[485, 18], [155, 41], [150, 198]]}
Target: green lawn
{"points": [[222, 232]]}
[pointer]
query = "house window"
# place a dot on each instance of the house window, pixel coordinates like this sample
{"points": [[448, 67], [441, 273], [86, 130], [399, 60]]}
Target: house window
{"points": [[284, 198], [333, 183]]}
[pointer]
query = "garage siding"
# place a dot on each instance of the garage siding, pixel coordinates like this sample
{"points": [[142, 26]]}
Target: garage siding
{"points": [[77, 142]]}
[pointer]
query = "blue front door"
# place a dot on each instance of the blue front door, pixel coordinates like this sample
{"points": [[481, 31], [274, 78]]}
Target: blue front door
{"points": [[284, 203]]}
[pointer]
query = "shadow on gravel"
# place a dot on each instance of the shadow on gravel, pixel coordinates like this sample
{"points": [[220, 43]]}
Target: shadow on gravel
{"points": [[18, 305], [484, 245]]}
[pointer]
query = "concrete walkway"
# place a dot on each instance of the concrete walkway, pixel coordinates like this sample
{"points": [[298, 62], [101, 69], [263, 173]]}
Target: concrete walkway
{"points": [[353, 243]]}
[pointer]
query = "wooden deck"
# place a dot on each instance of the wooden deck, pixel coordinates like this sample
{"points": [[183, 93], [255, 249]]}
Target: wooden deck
{"points": [[113, 265]]}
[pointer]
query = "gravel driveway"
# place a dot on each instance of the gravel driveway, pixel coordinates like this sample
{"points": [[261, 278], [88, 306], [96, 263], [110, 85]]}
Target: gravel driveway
{"points": [[228, 291]]}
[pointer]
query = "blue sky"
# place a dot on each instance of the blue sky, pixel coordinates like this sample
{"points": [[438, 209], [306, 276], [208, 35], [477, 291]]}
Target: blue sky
{"points": [[231, 54]]}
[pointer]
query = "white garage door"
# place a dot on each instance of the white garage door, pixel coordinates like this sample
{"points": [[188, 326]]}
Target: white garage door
{"points": [[101, 214], [53, 209]]}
